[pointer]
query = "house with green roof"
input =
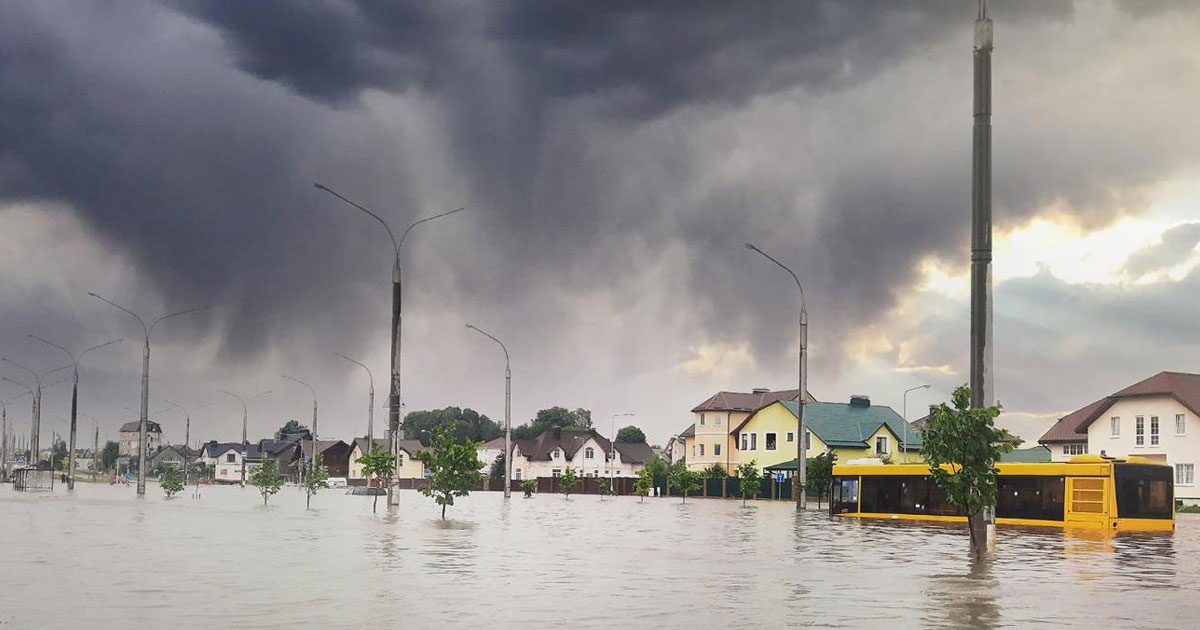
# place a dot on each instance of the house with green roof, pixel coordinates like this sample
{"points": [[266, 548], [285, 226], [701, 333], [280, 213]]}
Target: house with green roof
{"points": [[852, 430]]}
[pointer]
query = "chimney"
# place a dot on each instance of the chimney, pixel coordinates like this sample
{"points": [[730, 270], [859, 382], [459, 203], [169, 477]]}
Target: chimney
{"points": [[761, 390], [858, 400]]}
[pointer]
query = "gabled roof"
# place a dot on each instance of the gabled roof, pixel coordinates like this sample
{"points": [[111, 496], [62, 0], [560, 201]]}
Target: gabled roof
{"points": [[361, 444], [497, 444], [409, 446], [634, 452], [690, 431], [747, 401], [847, 425], [569, 440], [1073, 427], [322, 446], [133, 427], [181, 451], [215, 449]]}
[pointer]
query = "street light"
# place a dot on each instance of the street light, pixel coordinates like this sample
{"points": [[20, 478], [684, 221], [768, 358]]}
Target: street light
{"points": [[36, 392], [397, 318], [370, 398], [910, 389], [314, 422], [798, 483], [244, 417], [142, 447], [75, 360], [4, 439], [507, 413], [187, 435], [612, 447]]}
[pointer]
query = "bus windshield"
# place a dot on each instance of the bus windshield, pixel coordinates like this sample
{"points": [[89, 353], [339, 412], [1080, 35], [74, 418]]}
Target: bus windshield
{"points": [[1144, 491]]}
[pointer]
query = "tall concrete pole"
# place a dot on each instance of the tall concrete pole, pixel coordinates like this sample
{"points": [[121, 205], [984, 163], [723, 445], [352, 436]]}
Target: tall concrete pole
{"points": [[370, 398], [35, 431], [982, 383], [507, 413]]}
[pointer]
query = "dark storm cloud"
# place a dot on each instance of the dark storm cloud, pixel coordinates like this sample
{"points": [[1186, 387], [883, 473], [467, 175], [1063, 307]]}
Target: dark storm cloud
{"points": [[1178, 244]]}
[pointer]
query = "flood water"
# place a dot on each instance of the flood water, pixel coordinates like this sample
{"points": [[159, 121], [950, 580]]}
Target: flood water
{"points": [[102, 558]]}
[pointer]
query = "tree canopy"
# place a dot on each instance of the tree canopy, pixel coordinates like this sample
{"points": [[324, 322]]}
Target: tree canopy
{"points": [[630, 434], [453, 467], [469, 425], [292, 426], [315, 478], [553, 418], [267, 478], [379, 465], [109, 454]]}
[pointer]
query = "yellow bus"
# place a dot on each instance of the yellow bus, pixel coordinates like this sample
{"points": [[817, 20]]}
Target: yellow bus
{"points": [[1089, 491]]}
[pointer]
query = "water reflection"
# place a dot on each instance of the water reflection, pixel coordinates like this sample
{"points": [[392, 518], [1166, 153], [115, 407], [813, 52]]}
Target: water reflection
{"points": [[966, 600]]}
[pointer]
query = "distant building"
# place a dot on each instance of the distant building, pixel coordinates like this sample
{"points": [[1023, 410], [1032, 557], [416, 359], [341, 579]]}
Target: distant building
{"points": [[488, 452], [225, 460], [174, 456], [589, 453], [1157, 418], [408, 463], [713, 422], [335, 456], [129, 437]]}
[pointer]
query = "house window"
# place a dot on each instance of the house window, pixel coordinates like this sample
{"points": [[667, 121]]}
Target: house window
{"points": [[881, 445], [399, 460], [1180, 424], [693, 450], [701, 450], [745, 441], [1185, 474], [717, 419], [589, 453], [557, 472], [1114, 424], [716, 450], [754, 441], [807, 440], [701, 418], [772, 442], [1074, 449], [517, 474], [555, 454], [1153, 430], [230, 458], [1139, 431], [791, 436]]}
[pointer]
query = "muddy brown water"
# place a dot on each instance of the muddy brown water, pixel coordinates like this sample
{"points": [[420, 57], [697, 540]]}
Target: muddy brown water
{"points": [[101, 558]]}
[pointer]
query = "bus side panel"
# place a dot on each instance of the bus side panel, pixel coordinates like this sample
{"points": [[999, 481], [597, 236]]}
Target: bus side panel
{"points": [[1087, 502]]}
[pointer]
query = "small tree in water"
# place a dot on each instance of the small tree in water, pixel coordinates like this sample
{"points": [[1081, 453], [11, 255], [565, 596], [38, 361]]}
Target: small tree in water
{"points": [[961, 446], [171, 481], [267, 478], [377, 464], [528, 487], [605, 487], [688, 481], [751, 480], [820, 475], [568, 481], [316, 479], [645, 483], [452, 467]]}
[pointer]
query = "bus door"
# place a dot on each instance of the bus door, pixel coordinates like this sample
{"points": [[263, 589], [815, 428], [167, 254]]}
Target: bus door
{"points": [[1087, 502]]}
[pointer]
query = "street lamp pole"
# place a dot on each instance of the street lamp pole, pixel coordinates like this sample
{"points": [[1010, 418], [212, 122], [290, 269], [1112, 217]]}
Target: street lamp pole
{"points": [[910, 389], [74, 399], [370, 399], [245, 415], [145, 408], [397, 323], [313, 463], [507, 413], [36, 429], [800, 479], [4, 437], [612, 448], [187, 436]]}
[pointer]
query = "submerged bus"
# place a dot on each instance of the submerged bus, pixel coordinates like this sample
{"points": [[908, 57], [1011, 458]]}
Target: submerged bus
{"points": [[1089, 491]]}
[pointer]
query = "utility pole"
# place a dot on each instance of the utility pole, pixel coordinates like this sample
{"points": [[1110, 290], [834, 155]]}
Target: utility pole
{"points": [[370, 399], [507, 413], [982, 379], [314, 422], [35, 433]]}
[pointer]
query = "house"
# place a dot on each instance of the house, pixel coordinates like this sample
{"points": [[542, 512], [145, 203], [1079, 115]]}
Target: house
{"points": [[678, 446], [853, 430], [589, 453], [224, 459], [1157, 418], [335, 456], [713, 422], [286, 454], [488, 452], [174, 456], [408, 462], [129, 436]]}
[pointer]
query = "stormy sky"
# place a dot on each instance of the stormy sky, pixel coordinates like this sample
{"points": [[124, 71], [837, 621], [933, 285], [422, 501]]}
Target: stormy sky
{"points": [[613, 157]]}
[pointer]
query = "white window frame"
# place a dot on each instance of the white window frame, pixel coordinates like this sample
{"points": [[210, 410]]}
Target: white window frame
{"points": [[1182, 479], [716, 450], [1180, 424], [745, 441], [767, 441], [701, 450], [589, 453], [1114, 426], [717, 419], [1139, 432], [701, 418], [754, 441], [1074, 449], [1153, 430], [881, 439]]}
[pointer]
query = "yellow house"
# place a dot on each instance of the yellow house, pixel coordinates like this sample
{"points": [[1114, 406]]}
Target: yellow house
{"points": [[408, 466], [713, 439], [851, 430]]}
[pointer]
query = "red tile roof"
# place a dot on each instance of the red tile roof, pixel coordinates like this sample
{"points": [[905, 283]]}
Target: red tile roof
{"points": [[1181, 386], [746, 401]]}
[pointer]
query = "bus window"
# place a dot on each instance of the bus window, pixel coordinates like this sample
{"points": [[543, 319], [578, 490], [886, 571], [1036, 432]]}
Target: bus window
{"points": [[1039, 498], [845, 495], [1144, 491]]}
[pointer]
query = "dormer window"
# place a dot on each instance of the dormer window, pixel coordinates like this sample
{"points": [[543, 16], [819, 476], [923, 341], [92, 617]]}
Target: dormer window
{"points": [[554, 454], [589, 453]]}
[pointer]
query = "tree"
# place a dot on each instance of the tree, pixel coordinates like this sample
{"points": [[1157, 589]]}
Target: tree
{"points": [[658, 467], [714, 471], [58, 453], [751, 480], [630, 434], [644, 484], [528, 487], [292, 426], [469, 425], [453, 467], [961, 446], [109, 454], [316, 479], [553, 418], [605, 487], [688, 481], [820, 475], [377, 464], [497, 470], [171, 481], [267, 478], [568, 481]]}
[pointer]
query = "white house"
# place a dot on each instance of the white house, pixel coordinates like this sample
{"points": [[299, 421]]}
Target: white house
{"points": [[488, 452], [1158, 418], [549, 454], [225, 460]]}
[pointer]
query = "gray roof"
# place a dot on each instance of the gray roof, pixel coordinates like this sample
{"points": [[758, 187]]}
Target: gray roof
{"points": [[135, 426], [409, 446], [635, 452], [213, 449], [570, 440], [747, 401]]}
